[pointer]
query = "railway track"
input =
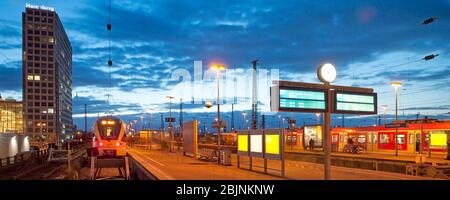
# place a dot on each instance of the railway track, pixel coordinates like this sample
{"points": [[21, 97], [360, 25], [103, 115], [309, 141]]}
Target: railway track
{"points": [[35, 170]]}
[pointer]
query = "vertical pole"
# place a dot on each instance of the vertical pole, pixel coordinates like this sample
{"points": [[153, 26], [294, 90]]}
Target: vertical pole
{"points": [[429, 144], [249, 149], [420, 139], [232, 117], [69, 157], [85, 118], [218, 115], [264, 151], [326, 136], [282, 154], [396, 117]]}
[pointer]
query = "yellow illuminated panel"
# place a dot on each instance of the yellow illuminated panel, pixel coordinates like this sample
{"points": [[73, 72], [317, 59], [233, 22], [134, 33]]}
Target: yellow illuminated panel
{"points": [[273, 144], [243, 143], [103, 122], [438, 139], [110, 122]]}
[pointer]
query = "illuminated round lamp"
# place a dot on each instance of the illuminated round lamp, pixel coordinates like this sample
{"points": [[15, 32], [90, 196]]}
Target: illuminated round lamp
{"points": [[326, 73], [208, 104]]}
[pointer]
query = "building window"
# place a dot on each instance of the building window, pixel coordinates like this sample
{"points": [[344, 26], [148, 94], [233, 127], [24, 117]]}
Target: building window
{"points": [[37, 78], [50, 110], [51, 40], [30, 77]]}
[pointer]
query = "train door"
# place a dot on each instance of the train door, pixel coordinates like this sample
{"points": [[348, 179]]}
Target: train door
{"points": [[335, 142], [343, 141], [418, 142]]}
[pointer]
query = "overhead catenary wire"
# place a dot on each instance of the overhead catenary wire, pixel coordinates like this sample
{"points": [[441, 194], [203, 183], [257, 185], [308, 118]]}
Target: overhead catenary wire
{"points": [[109, 27]]}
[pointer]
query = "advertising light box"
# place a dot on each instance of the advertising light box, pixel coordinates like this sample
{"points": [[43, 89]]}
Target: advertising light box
{"points": [[273, 144], [301, 99], [313, 135], [355, 103], [243, 143], [256, 143]]}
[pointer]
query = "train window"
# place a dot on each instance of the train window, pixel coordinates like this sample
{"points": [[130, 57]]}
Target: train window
{"points": [[411, 138], [374, 138], [334, 138], [401, 139], [343, 138], [362, 139], [384, 138], [108, 131]]}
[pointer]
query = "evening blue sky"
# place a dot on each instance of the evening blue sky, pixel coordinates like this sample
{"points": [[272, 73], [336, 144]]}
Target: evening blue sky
{"points": [[371, 43]]}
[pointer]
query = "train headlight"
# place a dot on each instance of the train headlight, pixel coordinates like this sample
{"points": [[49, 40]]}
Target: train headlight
{"points": [[111, 122], [117, 143], [100, 144], [103, 122]]}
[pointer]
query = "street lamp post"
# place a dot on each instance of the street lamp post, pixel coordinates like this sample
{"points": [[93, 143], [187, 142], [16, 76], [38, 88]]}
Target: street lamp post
{"points": [[279, 121], [218, 68], [245, 119], [142, 122], [318, 118], [384, 113], [396, 85], [170, 122]]}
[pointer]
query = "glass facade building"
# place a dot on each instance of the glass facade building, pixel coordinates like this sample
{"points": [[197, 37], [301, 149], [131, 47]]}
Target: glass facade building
{"points": [[11, 116]]}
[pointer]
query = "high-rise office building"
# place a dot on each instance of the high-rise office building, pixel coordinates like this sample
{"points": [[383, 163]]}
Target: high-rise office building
{"points": [[47, 74]]}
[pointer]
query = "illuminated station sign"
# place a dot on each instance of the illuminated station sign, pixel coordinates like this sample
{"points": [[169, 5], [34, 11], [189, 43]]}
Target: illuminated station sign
{"points": [[301, 99], [313, 98], [355, 103]]}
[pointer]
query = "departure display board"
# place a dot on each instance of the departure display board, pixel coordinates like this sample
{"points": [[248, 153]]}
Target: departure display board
{"points": [[355, 103], [298, 99]]}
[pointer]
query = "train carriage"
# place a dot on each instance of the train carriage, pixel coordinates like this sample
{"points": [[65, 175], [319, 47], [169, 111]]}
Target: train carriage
{"points": [[110, 137], [413, 139]]}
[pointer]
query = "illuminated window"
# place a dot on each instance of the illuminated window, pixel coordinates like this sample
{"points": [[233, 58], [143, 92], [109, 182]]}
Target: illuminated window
{"points": [[401, 139], [362, 139], [51, 39], [50, 111], [384, 138], [30, 77], [37, 78]]}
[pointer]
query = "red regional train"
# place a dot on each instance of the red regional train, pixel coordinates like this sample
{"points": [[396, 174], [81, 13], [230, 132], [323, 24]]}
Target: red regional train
{"points": [[417, 136]]}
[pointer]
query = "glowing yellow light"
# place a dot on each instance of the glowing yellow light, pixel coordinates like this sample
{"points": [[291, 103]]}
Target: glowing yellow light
{"points": [[217, 67], [272, 144], [438, 139], [111, 122], [103, 122], [243, 143]]}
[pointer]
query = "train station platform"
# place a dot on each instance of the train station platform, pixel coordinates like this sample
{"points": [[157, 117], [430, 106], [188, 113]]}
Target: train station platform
{"points": [[437, 159], [174, 166]]}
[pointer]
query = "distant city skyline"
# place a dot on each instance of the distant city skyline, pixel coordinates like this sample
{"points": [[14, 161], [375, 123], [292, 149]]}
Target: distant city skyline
{"points": [[370, 43]]}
